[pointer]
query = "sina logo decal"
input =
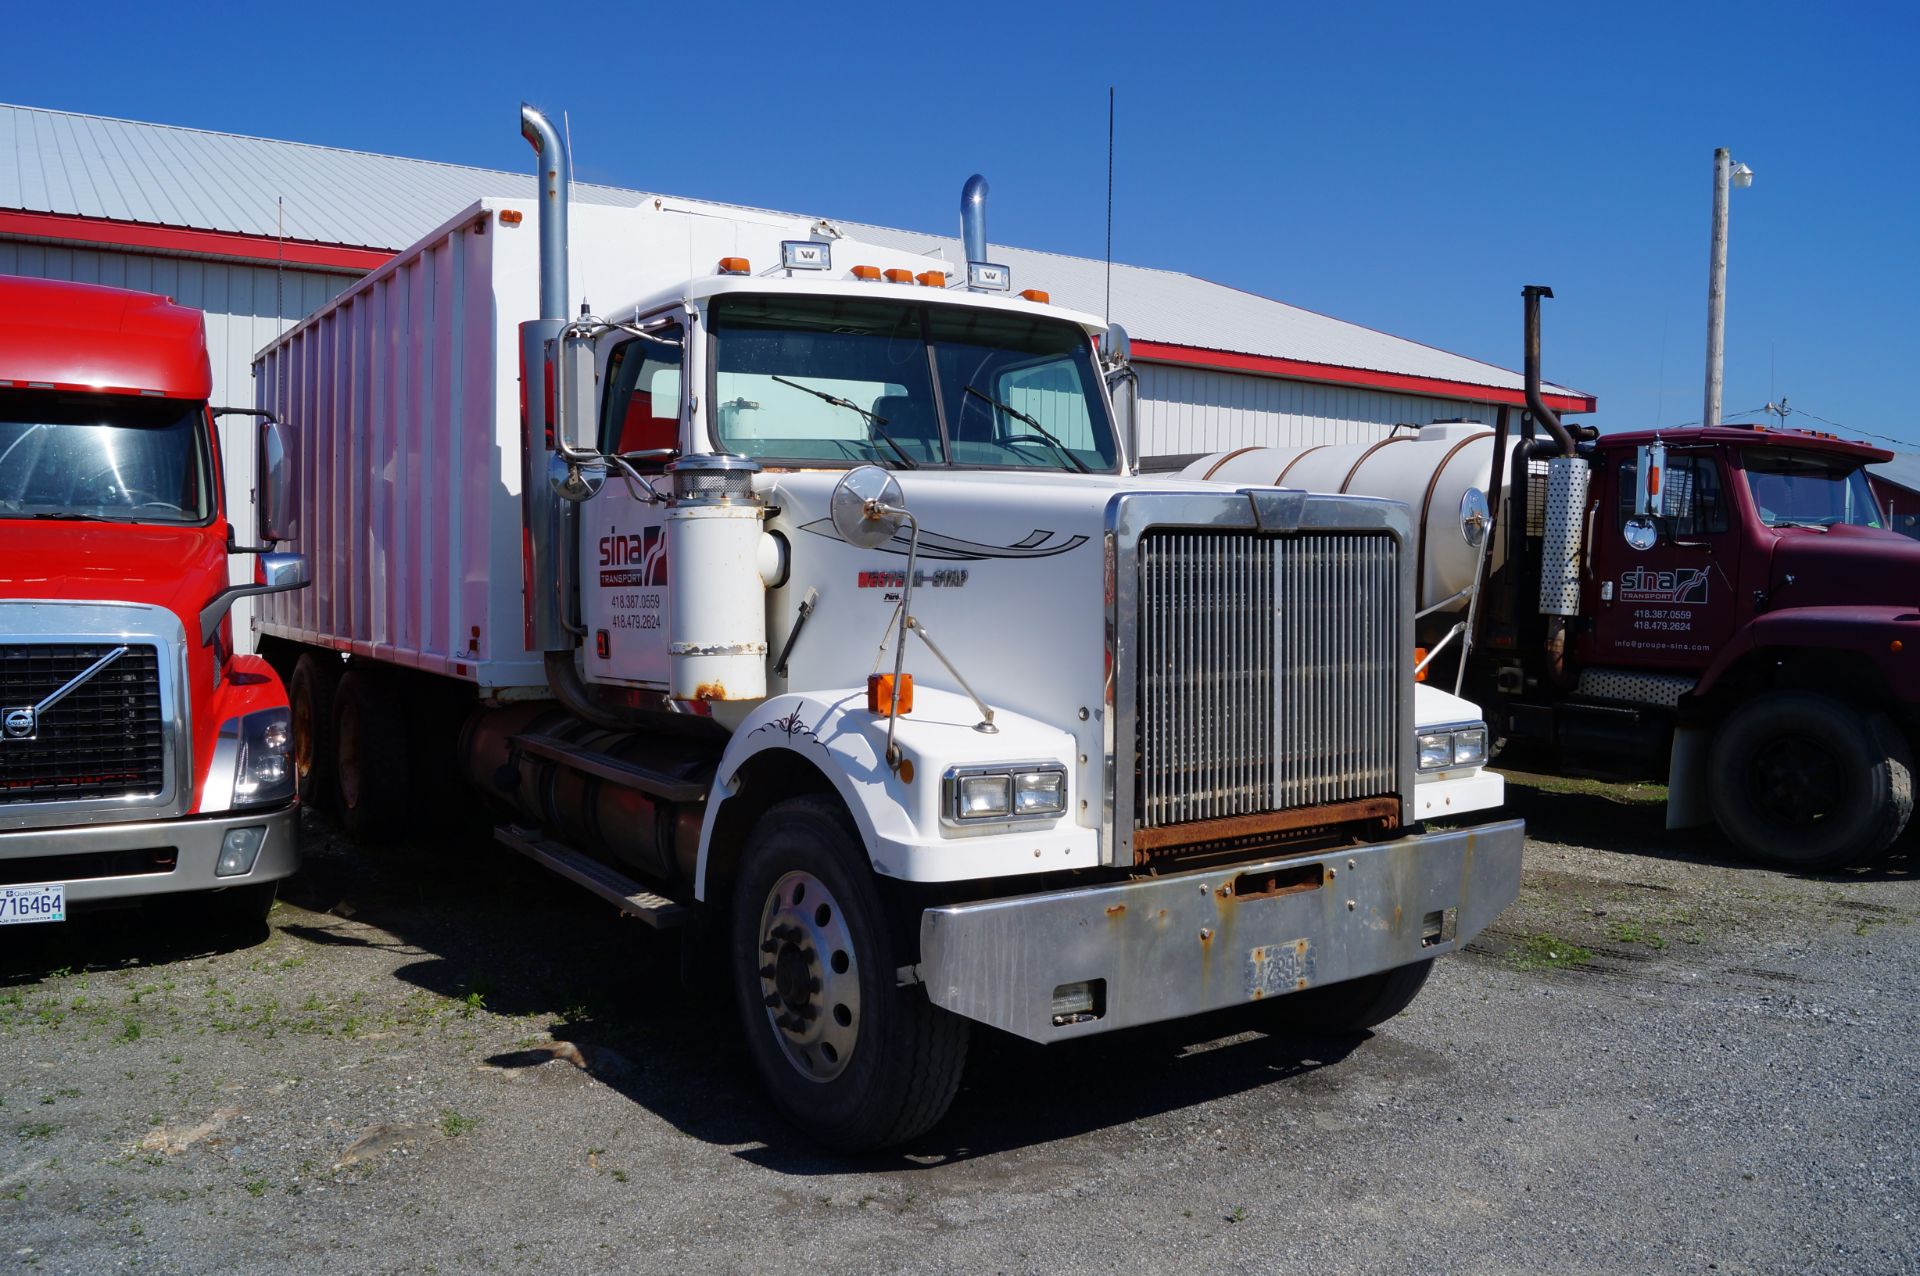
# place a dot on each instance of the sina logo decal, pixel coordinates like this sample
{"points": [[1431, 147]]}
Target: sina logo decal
{"points": [[634, 559], [1681, 585]]}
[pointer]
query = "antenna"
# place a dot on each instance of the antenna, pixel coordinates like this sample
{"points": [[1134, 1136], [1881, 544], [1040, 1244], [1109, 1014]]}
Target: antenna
{"points": [[280, 266], [1109, 314]]}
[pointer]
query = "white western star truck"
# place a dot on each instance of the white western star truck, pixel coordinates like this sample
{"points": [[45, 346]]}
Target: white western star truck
{"points": [[810, 595]]}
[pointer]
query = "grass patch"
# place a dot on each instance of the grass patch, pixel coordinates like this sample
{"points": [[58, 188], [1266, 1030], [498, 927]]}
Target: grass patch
{"points": [[1628, 791], [1549, 952], [1633, 933], [453, 1125]]}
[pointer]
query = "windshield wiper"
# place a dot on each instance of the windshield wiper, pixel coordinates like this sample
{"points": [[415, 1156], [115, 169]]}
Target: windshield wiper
{"points": [[68, 516], [874, 419], [1034, 425], [1794, 522]]}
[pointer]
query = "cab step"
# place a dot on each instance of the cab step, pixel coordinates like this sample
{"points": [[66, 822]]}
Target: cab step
{"points": [[610, 884], [670, 788]]}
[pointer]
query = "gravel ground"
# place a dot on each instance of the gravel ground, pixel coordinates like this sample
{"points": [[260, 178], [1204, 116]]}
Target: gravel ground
{"points": [[1658, 1060]]}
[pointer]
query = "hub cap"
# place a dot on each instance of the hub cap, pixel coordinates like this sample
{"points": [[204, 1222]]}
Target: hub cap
{"points": [[809, 980]]}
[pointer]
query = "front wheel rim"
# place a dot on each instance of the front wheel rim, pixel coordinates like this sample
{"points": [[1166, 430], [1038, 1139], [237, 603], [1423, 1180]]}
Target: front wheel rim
{"points": [[809, 976]]}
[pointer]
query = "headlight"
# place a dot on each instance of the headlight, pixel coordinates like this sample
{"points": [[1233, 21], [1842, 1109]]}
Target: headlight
{"points": [[263, 771], [1464, 745], [979, 794]]}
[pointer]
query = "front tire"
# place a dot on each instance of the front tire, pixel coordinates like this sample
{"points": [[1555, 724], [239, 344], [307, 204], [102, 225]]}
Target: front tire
{"points": [[847, 1056], [1807, 783]]}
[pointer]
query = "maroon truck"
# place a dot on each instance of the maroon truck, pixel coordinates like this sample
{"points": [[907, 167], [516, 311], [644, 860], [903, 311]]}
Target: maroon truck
{"points": [[1745, 618]]}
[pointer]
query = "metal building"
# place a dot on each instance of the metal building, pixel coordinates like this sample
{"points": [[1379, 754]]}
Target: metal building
{"points": [[258, 233]]}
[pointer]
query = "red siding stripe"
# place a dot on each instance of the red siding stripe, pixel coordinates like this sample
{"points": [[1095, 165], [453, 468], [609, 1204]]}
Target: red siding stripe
{"points": [[1301, 370], [205, 243]]}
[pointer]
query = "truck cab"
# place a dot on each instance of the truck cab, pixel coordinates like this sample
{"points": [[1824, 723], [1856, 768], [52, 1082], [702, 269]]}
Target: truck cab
{"points": [[140, 755]]}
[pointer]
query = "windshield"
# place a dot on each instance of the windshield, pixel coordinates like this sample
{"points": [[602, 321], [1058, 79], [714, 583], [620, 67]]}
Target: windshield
{"points": [[905, 385], [1809, 489], [113, 457]]}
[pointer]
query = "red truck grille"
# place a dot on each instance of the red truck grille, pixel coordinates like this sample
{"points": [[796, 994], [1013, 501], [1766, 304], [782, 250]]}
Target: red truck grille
{"points": [[104, 739]]}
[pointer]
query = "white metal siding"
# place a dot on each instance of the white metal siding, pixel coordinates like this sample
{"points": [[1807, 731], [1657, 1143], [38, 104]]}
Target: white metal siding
{"points": [[1197, 410], [246, 307]]}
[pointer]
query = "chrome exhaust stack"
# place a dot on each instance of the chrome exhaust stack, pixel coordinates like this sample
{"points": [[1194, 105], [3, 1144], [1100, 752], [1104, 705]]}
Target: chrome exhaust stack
{"points": [[549, 520], [973, 229]]}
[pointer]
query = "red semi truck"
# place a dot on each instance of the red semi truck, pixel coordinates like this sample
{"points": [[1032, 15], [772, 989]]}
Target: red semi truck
{"points": [[139, 754]]}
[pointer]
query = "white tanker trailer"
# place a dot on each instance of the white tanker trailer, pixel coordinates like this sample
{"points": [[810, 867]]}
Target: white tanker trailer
{"points": [[810, 595]]}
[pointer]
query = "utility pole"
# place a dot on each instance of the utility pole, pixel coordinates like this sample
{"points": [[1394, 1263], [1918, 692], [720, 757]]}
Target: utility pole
{"points": [[1725, 174]]}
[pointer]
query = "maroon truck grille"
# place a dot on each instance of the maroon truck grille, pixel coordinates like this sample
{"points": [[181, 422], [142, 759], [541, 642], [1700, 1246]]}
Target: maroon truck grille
{"points": [[105, 739]]}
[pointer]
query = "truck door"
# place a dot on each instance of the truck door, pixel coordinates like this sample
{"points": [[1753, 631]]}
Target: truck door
{"points": [[623, 544], [1671, 605]]}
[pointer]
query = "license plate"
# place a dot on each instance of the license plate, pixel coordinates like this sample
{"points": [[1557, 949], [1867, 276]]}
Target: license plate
{"points": [[20, 904]]}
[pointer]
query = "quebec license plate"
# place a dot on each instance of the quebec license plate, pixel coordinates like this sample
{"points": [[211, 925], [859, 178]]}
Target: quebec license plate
{"points": [[20, 904]]}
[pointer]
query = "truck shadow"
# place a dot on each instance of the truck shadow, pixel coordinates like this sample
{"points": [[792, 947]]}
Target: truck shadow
{"points": [[157, 932], [608, 993], [1630, 818]]}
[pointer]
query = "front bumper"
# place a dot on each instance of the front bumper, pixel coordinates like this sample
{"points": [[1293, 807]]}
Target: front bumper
{"points": [[1171, 946], [69, 854]]}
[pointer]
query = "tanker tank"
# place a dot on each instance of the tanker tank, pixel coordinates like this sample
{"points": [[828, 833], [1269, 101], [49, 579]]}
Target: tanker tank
{"points": [[1441, 473]]}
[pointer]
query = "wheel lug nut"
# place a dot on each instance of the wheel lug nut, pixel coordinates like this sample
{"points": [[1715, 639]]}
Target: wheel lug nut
{"points": [[767, 971], [771, 946], [771, 1000], [813, 985]]}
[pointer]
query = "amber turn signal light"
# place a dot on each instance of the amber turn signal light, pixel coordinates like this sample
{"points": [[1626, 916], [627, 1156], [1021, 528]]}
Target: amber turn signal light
{"points": [[1034, 294], [1419, 656], [880, 694], [735, 266], [511, 216], [898, 276], [868, 273], [931, 279]]}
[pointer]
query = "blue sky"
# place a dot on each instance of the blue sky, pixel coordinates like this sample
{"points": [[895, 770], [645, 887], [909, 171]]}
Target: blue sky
{"points": [[1408, 167]]}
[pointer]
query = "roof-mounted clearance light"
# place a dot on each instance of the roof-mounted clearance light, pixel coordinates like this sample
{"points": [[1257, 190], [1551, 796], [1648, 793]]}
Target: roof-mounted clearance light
{"points": [[806, 254], [898, 276], [986, 277], [868, 273], [1034, 294], [735, 266], [931, 279], [511, 216]]}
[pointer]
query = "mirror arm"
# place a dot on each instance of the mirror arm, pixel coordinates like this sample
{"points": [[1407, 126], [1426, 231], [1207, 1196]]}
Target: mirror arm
{"points": [[877, 510]]}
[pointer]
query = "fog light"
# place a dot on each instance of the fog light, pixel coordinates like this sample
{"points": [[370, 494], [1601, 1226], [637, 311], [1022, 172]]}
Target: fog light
{"points": [[984, 795], [1436, 750], [239, 849], [1079, 1002], [1470, 746], [1039, 792]]}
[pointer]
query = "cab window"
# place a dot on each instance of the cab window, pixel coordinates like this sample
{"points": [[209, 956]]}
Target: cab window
{"points": [[1692, 498], [641, 411]]}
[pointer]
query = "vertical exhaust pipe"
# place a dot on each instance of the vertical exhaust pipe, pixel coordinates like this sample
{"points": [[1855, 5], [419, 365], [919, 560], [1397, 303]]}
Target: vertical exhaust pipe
{"points": [[548, 521], [973, 220], [1535, 404], [555, 180]]}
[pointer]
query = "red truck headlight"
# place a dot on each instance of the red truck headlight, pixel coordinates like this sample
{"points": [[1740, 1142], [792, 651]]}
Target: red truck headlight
{"points": [[263, 771]]}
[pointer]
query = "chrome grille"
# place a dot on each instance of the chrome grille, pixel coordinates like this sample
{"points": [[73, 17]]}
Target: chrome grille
{"points": [[105, 739], [1268, 672]]}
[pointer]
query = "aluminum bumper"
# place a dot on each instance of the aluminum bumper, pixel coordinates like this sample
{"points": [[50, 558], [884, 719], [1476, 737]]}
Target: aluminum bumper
{"points": [[194, 839], [1166, 947]]}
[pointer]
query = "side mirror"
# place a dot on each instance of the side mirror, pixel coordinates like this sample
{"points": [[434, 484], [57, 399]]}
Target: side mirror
{"points": [[576, 403], [867, 507], [274, 512], [272, 574]]}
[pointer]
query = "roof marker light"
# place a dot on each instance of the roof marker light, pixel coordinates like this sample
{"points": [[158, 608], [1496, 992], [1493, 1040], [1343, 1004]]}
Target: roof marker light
{"points": [[511, 217], [931, 279], [898, 276], [868, 273], [735, 266], [1034, 294]]}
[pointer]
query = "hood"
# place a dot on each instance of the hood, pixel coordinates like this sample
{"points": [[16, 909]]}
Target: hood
{"points": [[178, 568], [1845, 566]]}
